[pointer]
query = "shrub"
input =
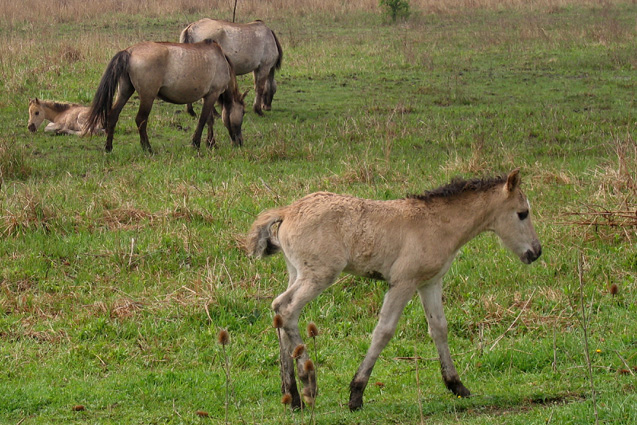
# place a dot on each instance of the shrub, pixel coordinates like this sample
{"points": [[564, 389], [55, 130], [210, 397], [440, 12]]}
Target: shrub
{"points": [[395, 8]]}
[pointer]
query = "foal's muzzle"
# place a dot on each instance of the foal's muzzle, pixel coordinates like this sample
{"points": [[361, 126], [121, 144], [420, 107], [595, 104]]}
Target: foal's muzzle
{"points": [[32, 128], [532, 254]]}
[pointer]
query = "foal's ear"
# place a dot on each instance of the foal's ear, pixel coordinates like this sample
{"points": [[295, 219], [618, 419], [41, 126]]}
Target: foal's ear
{"points": [[513, 180], [243, 96]]}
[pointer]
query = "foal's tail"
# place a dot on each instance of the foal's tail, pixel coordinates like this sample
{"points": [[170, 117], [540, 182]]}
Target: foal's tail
{"points": [[262, 241], [103, 100]]}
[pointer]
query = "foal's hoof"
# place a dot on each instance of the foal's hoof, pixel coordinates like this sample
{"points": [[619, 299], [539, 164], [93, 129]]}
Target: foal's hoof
{"points": [[308, 396], [458, 389]]}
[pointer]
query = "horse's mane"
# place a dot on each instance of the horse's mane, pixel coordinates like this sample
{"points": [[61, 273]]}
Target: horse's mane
{"points": [[58, 106], [234, 85], [459, 186]]}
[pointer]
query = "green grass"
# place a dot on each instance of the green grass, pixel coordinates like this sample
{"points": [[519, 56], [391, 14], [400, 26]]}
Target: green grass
{"points": [[118, 270]]}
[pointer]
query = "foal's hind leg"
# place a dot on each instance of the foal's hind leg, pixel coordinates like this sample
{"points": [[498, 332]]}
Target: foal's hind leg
{"points": [[288, 381], [395, 301], [431, 297], [288, 305]]}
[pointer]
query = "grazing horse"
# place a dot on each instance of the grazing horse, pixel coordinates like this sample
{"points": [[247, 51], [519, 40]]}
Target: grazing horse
{"points": [[65, 118], [176, 73], [252, 47], [409, 242]]}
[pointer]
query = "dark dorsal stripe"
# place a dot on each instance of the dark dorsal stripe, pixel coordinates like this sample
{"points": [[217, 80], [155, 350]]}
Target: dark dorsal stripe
{"points": [[59, 106], [459, 186]]}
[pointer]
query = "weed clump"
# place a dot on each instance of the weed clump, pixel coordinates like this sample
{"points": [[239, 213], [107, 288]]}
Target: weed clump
{"points": [[13, 164]]}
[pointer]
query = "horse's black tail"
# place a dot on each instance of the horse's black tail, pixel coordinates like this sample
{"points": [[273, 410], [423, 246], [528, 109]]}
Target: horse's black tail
{"points": [[280, 49], [103, 100]]}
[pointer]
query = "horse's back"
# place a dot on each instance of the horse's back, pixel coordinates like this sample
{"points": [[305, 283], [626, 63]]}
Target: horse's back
{"points": [[249, 46], [365, 233], [182, 73]]}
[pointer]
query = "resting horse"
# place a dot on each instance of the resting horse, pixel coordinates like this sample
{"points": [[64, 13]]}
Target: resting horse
{"points": [[65, 118], [176, 73], [410, 243], [251, 47]]}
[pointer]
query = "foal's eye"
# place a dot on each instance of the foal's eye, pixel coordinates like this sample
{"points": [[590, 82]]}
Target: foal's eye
{"points": [[524, 214], [37, 113]]}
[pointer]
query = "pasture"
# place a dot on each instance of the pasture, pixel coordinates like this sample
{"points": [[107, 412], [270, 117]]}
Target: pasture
{"points": [[118, 270]]}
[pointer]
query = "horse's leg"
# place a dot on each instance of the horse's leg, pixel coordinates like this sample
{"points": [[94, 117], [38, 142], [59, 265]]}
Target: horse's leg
{"points": [[308, 285], [259, 88], [145, 106], [270, 89], [190, 110], [395, 301], [288, 381], [205, 118], [210, 138], [431, 297], [52, 127], [125, 90]]}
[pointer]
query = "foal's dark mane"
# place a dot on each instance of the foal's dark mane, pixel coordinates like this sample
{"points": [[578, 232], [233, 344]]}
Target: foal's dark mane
{"points": [[459, 186], [59, 106]]}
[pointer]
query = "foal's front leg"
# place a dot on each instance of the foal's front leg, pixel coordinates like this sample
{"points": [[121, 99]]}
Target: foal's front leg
{"points": [[431, 297], [395, 301]]}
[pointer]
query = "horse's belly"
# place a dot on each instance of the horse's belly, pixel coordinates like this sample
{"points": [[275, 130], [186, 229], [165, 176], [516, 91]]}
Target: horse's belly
{"points": [[182, 94]]}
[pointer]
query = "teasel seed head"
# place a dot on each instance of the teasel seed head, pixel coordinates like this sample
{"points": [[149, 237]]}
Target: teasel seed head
{"points": [[614, 289], [224, 337], [202, 414], [312, 330], [309, 365], [286, 399], [277, 322], [298, 351]]}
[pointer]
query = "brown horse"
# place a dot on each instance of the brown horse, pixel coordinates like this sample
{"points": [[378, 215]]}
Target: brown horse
{"points": [[65, 118], [252, 47], [176, 73], [410, 243]]}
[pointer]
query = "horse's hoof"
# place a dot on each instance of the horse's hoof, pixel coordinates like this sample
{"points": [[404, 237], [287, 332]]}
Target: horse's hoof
{"points": [[355, 405]]}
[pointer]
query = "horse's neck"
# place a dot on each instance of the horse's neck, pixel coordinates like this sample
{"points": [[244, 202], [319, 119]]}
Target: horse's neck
{"points": [[465, 218]]}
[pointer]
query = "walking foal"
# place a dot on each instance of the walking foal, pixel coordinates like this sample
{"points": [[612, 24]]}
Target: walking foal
{"points": [[409, 242]]}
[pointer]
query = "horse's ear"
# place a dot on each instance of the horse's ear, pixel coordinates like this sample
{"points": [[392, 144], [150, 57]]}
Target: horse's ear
{"points": [[513, 180], [37, 101]]}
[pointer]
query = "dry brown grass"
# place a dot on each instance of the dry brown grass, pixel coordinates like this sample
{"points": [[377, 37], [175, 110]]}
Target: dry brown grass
{"points": [[31, 11], [612, 210]]}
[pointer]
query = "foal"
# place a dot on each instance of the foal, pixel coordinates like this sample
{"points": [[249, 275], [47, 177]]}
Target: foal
{"points": [[65, 118], [410, 243]]}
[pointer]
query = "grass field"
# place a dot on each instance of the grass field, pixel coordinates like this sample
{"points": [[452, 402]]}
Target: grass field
{"points": [[117, 271]]}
